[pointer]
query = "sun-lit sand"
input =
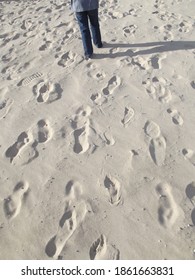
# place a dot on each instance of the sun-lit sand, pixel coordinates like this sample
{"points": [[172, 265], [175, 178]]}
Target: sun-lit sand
{"points": [[97, 157]]}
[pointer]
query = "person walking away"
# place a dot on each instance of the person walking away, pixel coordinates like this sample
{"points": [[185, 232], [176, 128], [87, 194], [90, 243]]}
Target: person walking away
{"points": [[86, 12]]}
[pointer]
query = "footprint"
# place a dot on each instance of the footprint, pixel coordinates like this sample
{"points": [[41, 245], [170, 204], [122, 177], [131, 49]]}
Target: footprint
{"points": [[81, 140], [26, 25], [81, 125], [168, 210], [166, 30], [94, 72], [5, 103], [69, 34], [47, 92], [113, 83], [189, 155], [140, 63], [70, 221], [190, 192], [46, 46], [129, 30], [185, 26], [81, 117], [16, 148], [11, 71], [68, 59], [13, 204], [114, 190], [156, 61], [26, 81], [176, 117], [157, 146], [157, 150], [128, 115], [44, 131], [101, 250], [152, 129], [158, 88]]}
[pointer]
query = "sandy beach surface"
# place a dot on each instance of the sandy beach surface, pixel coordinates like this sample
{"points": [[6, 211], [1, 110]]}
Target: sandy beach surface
{"points": [[97, 157]]}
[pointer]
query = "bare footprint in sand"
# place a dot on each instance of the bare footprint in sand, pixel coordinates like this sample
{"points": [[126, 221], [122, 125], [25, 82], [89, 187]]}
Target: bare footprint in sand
{"points": [[16, 148], [156, 61], [44, 131], [113, 83], [168, 210], [70, 221], [158, 89], [101, 250], [95, 72], [114, 188], [69, 58], [152, 129], [81, 140], [157, 146], [81, 126], [47, 92], [128, 116], [129, 30], [13, 204], [176, 116], [157, 150]]}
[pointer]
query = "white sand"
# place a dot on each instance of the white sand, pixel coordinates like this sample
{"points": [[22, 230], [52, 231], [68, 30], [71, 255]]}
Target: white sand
{"points": [[97, 157]]}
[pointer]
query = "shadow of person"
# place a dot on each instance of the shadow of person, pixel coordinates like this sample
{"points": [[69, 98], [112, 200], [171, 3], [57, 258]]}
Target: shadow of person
{"points": [[149, 48]]}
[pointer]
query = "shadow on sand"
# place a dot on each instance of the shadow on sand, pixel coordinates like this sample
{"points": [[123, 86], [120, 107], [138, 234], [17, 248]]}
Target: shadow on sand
{"points": [[149, 48]]}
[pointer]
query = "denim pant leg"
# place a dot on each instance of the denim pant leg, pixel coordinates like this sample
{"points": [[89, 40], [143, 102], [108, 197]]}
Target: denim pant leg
{"points": [[82, 18], [95, 28]]}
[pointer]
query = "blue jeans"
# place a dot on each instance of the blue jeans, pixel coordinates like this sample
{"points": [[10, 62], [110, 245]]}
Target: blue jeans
{"points": [[83, 20]]}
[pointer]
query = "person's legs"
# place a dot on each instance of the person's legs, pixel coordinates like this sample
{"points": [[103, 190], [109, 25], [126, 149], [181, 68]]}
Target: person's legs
{"points": [[82, 18], [95, 28]]}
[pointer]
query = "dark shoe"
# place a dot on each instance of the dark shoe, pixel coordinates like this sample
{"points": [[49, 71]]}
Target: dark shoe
{"points": [[99, 46], [88, 56]]}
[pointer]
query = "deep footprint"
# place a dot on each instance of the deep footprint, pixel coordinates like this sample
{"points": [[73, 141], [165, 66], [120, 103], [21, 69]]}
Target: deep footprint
{"points": [[69, 222], [13, 151], [44, 131], [81, 140], [157, 150], [13, 203], [47, 92], [113, 83]]}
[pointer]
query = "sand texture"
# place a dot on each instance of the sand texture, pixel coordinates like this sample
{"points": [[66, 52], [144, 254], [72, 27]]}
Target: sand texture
{"points": [[97, 157]]}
